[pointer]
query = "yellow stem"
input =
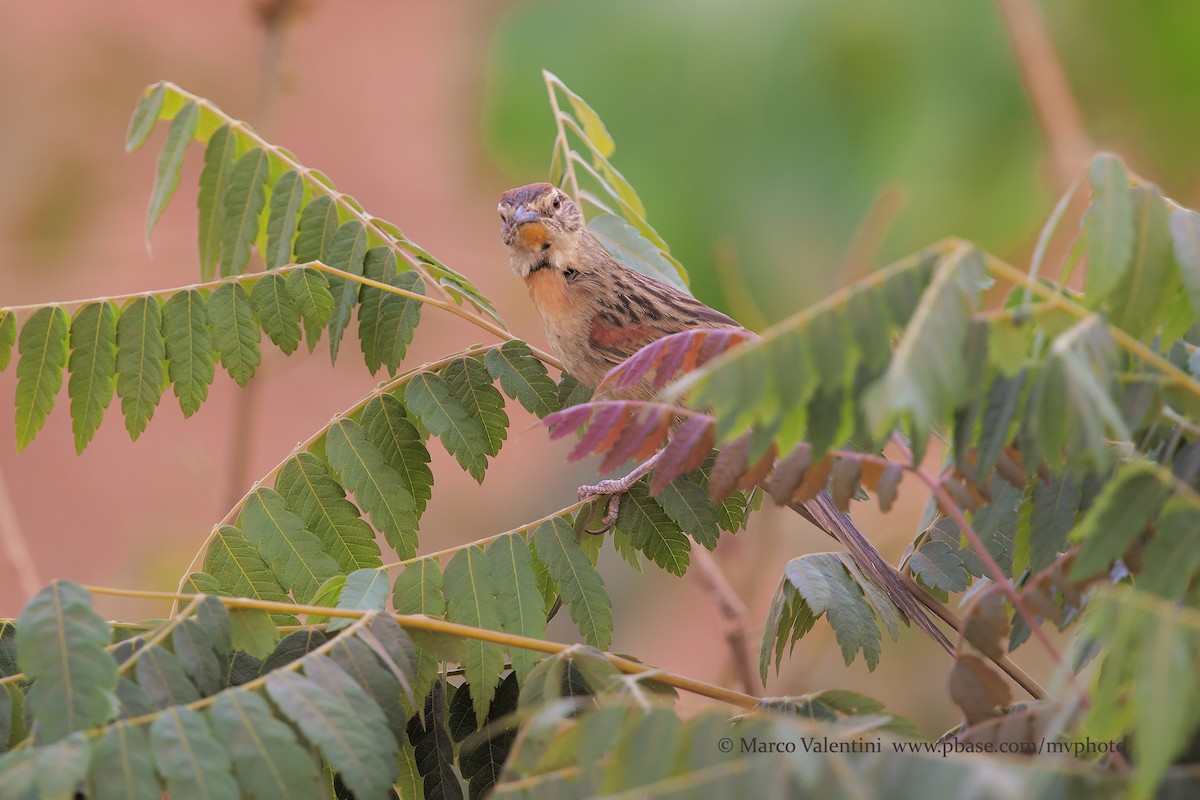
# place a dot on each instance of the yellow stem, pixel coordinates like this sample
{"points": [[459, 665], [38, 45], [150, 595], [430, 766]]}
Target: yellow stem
{"points": [[424, 623]]}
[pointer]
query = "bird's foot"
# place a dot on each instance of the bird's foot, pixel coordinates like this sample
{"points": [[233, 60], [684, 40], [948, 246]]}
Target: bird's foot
{"points": [[614, 489]]}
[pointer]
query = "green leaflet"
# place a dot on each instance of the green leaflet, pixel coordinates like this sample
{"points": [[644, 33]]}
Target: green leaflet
{"points": [[61, 767], [8, 336], [233, 560], [310, 293], [1108, 227], [215, 178], [313, 494], [140, 355], [254, 631], [386, 685], [1119, 515], [686, 503], [523, 377], [827, 588], [364, 590], [388, 427], [472, 598], [189, 758], [276, 311], [333, 713], [653, 531], [286, 198], [234, 331], [123, 765], [43, 355], [362, 469], [386, 322], [519, 600], [61, 647], [418, 590], [93, 368], [189, 348], [314, 232], [1185, 239], [240, 209], [444, 414], [161, 676], [926, 379], [170, 160], [1139, 300], [292, 552], [469, 381], [203, 643], [581, 587], [267, 759], [347, 251], [145, 115]]}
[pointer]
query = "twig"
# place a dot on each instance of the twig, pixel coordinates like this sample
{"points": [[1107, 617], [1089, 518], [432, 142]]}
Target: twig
{"points": [[733, 614], [15, 546], [1048, 88], [422, 622]]}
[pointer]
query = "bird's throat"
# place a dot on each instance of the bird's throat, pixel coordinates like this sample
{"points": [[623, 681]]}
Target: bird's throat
{"points": [[549, 290]]}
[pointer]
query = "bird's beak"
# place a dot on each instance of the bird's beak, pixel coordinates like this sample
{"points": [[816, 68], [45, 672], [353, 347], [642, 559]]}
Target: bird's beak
{"points": [[522, 216]]}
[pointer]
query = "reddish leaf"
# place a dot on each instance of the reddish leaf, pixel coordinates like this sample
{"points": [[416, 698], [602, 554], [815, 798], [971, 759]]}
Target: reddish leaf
{"points": [[759, 471], [986, 625], [690, 445], [657, 435], [978, 689], [669, 355], [889, 481], [730, 465], [671, 361], [814, 481], [632, 438], [788, 474], [568, 420], [845, 480], [608, 417]]}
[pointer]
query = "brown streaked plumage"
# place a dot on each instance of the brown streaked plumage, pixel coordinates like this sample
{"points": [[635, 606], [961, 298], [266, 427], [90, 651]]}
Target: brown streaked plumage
{"points": [[597, 312]]}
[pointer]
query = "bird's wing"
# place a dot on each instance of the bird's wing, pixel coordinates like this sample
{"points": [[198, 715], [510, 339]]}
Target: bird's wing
{"points": [[642, 310]]}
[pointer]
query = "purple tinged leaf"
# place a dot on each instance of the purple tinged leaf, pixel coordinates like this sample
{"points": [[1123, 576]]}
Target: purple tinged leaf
{"points": [[568, 420], [610, 416], [690, 445]]}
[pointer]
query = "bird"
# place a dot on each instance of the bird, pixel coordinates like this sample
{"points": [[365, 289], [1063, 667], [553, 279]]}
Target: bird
{"points": [[596, 313]]}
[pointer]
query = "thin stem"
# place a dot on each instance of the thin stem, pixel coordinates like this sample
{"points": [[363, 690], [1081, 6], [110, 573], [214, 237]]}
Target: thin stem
{"points": [[560, 140], [422, 622], [485, 540], [1048, 88], [1123, 339], [733, 613], [162, 633], [445, 305], [994, 571], [1043, 242]]}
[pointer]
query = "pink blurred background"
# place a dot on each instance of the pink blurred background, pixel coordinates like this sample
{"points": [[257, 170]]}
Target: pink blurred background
{"points": [[386, 98]]}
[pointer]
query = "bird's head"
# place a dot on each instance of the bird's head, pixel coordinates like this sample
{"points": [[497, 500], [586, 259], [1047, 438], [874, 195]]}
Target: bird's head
{"points": [[541, 226]]}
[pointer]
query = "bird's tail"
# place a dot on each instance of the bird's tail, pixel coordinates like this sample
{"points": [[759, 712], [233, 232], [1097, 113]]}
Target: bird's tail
{"points": [[821, 511]]}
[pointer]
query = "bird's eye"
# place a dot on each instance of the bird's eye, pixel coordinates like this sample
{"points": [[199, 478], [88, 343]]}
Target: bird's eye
{"points": [[556, 202]]}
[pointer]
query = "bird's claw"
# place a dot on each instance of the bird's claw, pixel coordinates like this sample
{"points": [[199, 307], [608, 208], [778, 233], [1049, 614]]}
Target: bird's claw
{"points": [[615, 488]]}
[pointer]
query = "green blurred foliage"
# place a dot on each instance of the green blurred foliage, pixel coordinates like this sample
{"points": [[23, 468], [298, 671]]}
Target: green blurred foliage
{"points": [[776, 125]]}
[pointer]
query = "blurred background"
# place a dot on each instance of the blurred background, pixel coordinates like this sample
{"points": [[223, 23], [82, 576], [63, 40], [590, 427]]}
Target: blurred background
{"points": [[782, 148]]}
